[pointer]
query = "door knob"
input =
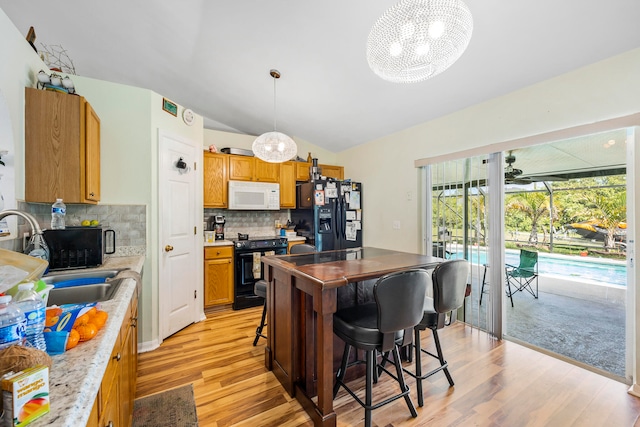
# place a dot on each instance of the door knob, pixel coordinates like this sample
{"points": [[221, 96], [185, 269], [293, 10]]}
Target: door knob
{"points": [[168, 248]]}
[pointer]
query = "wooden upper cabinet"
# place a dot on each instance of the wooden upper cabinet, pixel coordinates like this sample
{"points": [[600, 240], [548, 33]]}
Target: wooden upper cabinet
{"points": [[247, 168], [330, 171], [336, 172], [215, 180], [288, 185], [92, 154], [62, 148], [266, 172], [241, 168], [302, 171]]}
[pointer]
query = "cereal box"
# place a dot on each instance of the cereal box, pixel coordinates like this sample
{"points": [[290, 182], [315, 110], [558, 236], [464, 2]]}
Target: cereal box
{"points": [[25, 396]]}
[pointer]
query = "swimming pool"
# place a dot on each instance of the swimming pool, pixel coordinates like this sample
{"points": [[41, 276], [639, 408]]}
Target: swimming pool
{"points": [[593, 269]]}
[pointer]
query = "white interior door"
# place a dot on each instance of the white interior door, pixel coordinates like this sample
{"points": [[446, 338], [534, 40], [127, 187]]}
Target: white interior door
{"points": [[177, 235]]}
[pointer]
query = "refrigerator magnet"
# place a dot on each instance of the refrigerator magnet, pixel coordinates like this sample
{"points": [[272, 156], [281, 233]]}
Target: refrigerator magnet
{"points": [[350, 231], [354, 202], [319, 197]]}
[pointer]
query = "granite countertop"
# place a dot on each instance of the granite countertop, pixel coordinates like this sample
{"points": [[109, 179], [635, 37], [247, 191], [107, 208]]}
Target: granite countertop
{"points": [[75, 376], [219, 243]]}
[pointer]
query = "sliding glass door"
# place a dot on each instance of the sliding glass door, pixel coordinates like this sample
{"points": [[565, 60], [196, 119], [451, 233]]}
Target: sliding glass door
{"points": [[460, 227], [544, 228]]}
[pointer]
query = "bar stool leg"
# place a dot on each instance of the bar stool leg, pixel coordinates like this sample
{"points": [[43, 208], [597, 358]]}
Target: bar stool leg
{"points": [[403, 385], [342, 370], [369, 385], [443, 362], [261, 326], [418, 366]]}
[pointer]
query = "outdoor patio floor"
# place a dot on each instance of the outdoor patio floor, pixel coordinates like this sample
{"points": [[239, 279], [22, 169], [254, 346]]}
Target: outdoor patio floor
{"points": [[591, 332]]}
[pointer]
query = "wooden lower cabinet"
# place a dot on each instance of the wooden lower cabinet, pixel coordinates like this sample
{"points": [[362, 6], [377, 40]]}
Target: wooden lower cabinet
{"points": [[218, 275], [113, 406]]}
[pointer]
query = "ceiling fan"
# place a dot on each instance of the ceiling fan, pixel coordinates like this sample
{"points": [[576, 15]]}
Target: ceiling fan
{"points": [[514, 175]]}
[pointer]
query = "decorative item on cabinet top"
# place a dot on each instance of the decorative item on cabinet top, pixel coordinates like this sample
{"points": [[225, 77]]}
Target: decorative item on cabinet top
{"points": [[55, 82], [237, 151]]}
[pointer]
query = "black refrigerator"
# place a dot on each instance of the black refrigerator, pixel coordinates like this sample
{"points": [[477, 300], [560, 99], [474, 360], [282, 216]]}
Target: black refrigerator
{"points": [[329, 214]]}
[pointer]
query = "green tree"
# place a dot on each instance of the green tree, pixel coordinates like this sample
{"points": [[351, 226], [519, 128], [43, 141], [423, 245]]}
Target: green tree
{"points": [[610, 211], [534, 205]]}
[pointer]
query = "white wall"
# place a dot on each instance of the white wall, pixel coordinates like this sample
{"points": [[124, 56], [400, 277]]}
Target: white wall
{"points": [[19, 65], [600, 91], [130, 118]]}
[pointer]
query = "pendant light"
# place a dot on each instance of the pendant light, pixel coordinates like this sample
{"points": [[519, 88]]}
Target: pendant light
{"points": [[418, 39], [274, 147]]}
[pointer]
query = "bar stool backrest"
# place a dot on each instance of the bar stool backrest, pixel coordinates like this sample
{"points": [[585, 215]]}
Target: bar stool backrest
{"points": [[450, 285], [302, 248], [400, 299]]}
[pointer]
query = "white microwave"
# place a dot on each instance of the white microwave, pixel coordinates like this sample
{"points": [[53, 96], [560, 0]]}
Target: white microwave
{"points": [[244, 195]]}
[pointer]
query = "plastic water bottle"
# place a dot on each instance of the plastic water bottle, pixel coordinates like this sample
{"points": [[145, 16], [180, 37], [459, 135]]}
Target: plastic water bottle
{"points": [[12, 323], [34, 311], [58, 211]]}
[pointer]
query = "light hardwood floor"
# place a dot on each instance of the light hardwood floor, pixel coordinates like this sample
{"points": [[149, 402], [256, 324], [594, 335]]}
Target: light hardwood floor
{"points": [[497, 383]]}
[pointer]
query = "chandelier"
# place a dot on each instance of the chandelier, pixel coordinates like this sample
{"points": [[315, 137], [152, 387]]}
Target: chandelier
{"points": [[274, 147], [418, 39]]}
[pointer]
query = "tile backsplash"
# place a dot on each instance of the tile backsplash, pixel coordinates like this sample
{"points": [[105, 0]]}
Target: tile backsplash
{"points": [[254, 223], [128, 221]]}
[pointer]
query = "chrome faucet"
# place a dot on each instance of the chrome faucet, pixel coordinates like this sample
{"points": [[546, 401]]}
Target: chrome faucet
{"points": [[40, 249], [35, 227]]}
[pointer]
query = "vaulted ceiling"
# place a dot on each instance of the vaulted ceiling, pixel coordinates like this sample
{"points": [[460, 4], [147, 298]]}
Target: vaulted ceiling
{"points": [[214, 57]]}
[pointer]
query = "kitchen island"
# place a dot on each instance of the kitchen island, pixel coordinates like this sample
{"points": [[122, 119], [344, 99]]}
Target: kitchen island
{"points": [[302, 296], [76, 375]]}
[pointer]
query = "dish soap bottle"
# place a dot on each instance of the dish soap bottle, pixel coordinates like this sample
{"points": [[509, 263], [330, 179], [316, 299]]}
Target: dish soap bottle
{"points": [[58, 211]]}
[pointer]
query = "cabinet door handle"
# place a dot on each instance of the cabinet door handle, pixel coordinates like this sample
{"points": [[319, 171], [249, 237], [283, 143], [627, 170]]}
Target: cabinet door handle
{"points": [[92, 194], [117, 357], [110, 424], [168, 248]]}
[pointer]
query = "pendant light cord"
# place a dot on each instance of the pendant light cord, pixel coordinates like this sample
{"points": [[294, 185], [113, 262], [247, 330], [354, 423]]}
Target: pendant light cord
{"points": [[274, 103]]}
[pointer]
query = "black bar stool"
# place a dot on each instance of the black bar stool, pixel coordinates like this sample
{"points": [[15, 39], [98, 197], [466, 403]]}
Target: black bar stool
{"points": [[260, 289], [449, 288], [382, 326]]}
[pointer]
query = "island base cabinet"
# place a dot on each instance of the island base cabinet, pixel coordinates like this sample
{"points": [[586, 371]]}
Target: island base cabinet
{"points": [[113, 406]]}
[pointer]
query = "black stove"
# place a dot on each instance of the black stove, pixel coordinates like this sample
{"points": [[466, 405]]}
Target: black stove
{"points": [[262, 243], [248, 268]]}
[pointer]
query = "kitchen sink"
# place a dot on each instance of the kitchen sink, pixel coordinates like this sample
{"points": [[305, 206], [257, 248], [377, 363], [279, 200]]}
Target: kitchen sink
{"points": [[82, 287]]}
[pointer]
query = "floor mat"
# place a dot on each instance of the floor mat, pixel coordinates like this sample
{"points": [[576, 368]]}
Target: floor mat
{"points": [[170, 408]]}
